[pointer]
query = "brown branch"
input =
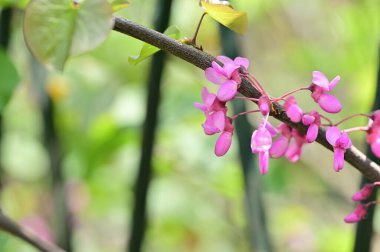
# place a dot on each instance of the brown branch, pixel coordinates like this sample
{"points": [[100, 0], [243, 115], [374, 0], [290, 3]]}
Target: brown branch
{"points": [[11, 227], [203, 60]]}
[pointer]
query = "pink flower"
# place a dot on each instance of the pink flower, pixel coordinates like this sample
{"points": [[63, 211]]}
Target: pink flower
{"points": [[280, 146], [358, 214], [293, 111], [373, 134], [224, 141], [217, 121], [227, 77], [261, 142], [294, 151], [313, 120], [272, 130], [364, 193], [210, 103], [320, 85], [214, 123], [264, 105], [341, 142]]}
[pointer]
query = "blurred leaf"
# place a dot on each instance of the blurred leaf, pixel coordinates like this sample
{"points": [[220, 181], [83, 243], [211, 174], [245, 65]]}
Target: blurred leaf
{"points": [[224, 14], [9, 79], [57, 29], [15, 3], [148, 50], [119, 5]]}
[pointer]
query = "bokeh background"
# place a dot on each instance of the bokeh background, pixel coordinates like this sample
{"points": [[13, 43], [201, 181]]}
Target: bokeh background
{"points": [[196, 200]]}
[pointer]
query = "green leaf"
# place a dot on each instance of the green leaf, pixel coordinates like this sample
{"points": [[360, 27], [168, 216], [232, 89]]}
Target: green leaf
{"points": [[224, 14], [119, 5], [9, 79], [57, 29], [148, 50]]}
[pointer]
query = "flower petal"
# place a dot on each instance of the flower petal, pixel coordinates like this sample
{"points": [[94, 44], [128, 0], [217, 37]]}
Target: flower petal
{"points": [[294, 112], [279, 147], [200, 106], [227, 91], [312, 133], [224, 59], [332, 134], [264, 105], [329, 103], [321, 80], [293, 153], [334, 82], [223, 143], [215, 76], [358, 214], [338, 159], [244, 62], [214, 123], [364, 193], [307, 119], [375, 147], [263, 161], [261, 140], [344, 141]]}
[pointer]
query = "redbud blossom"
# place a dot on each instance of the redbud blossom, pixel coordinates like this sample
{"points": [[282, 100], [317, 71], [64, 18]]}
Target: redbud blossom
{"points": [[216, 121], [358, 214], [264, 105], [373, 135], [341, 142], [227, 77], [293, 111], [210, 103], [364, 193], [320, 85], [313, 120], [261, 142], [294, 151], [280, 146], [224, 141]]}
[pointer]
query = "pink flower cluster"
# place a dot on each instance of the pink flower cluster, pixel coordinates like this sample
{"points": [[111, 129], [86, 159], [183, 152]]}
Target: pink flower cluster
{"points": [[361, 210], [214, 105], [282, 141]]}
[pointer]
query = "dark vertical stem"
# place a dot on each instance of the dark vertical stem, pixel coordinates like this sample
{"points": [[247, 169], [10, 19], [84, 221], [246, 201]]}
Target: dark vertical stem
{"points": [[139, 217], [364, 229], [257, 228], [62, 222], [5, 26], [5, 35]]}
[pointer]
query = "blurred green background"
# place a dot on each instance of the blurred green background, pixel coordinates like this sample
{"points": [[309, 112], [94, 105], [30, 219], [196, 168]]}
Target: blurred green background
{"points": [[196, 200]]}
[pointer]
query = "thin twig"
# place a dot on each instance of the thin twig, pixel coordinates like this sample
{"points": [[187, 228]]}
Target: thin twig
{"points": [[11, 227], [203, 60]]}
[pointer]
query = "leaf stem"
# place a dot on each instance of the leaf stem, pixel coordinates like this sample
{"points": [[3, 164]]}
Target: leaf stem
{"points": [[351, 116], [194, 40], [356, 129], [244, 113], [289, 93]]}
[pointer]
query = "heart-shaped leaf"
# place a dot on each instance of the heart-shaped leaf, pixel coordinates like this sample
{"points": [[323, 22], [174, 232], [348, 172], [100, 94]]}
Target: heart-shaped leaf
{"points": [[9, 79], [227, 16], [148, 50], [57, 29]]}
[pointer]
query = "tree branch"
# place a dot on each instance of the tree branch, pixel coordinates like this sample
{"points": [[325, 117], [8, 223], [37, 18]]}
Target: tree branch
{"points": [[11, 227], [203, 60]]}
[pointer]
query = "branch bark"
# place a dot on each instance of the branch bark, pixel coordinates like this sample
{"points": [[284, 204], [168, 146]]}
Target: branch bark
{"points": [[11, 227], [202, 60]]}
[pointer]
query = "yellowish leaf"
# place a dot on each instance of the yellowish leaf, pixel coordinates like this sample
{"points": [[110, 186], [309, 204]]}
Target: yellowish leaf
{"points": [[227, 16]]}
